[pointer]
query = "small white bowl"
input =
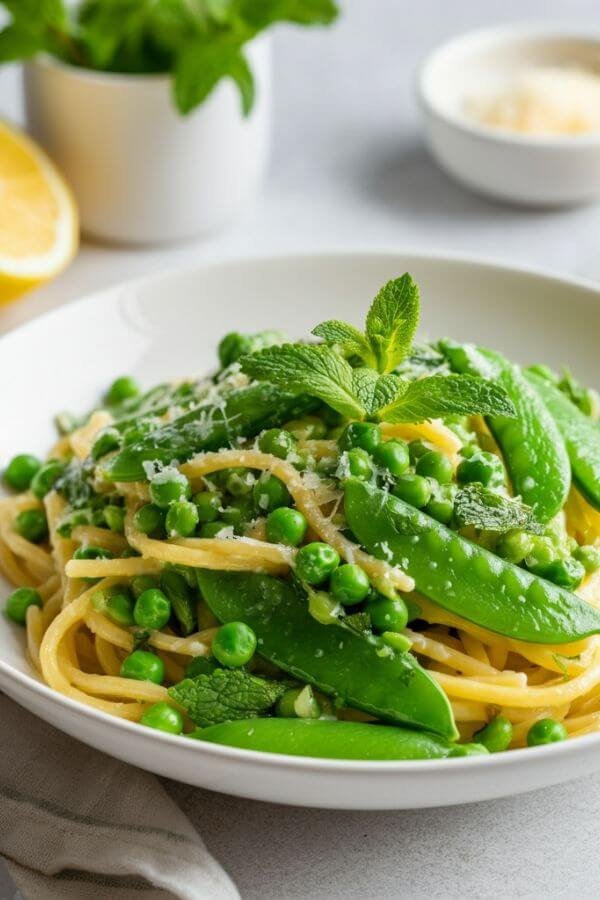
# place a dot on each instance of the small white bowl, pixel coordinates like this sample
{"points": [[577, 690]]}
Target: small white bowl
{"points": [[543, 170]]}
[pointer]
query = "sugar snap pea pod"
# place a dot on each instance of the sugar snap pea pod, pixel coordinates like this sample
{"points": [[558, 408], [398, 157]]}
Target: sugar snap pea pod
{"points": [[182, 599], [244, 412], [580, 433], [334, 740], [461, 576], [533, 449], [358, 669]]}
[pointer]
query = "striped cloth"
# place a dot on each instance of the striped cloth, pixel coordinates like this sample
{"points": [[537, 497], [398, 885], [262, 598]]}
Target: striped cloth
{"points": [[75, 823]]}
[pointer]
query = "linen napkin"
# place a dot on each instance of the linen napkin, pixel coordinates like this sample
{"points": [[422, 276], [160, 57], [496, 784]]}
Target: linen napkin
{"points": [[75, 823]]}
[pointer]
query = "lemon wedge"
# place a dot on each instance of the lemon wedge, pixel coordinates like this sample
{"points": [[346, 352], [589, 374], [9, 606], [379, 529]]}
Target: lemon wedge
{"points": [[39, 228]]}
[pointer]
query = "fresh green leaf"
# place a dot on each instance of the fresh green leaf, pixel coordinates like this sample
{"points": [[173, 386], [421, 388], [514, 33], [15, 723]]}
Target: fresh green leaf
{"points": [[441, 395], [203, 63], [351, 341], [224, 695], [17, 42], [488, 511], [392, 321], [242, 75], [315, 370], [75, 484], [262, 14]]}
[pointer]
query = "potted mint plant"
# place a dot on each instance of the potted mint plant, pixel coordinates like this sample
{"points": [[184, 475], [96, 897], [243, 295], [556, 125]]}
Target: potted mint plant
{"points": [[157, 111]]}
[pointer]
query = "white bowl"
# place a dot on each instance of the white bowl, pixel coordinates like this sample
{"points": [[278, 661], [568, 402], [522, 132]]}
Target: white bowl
{"points": [[533, 170], [141, 172], [165, 326]]}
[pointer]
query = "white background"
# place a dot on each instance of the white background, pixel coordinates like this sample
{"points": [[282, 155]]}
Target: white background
{"points": [[349, 169]]}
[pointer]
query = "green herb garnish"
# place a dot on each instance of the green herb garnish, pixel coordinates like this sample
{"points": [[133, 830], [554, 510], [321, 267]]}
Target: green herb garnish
{"points": [[226, 694], [487, 510]]}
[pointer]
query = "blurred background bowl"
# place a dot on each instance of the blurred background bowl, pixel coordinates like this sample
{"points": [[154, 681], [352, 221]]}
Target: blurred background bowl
{"points": [[537, 170]]}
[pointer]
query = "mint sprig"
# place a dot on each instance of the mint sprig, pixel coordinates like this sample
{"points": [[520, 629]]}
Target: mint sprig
{"points": [[225, 695], [370, 390], [486, 510]]}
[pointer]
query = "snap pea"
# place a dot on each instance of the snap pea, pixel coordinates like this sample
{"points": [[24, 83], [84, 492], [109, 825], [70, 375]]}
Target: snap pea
{"points": [[461, 576], [534, 452], [580, 433], [358, 669], [182, 599], [246, 412], [329, 739]]}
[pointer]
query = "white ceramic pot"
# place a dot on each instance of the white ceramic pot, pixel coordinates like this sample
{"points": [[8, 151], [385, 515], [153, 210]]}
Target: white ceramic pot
{"points": [[141, 172]]}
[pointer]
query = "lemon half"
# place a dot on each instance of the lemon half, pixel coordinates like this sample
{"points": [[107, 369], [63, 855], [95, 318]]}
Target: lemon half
{"points": [[39, 226]]}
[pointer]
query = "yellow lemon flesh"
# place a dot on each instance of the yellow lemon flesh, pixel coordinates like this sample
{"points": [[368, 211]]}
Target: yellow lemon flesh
{"points": [[38, 218]]}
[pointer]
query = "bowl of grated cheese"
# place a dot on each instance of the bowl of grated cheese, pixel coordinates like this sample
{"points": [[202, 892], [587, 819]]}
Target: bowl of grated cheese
{"points": [[514, 112]]}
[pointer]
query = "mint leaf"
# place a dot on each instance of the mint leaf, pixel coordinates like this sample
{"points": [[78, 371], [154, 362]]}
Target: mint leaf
{"points": [[224, 695], [392, 321], [484, 509], [442, 395], [314, 370], [351, 341], [359, 622], [262, 14], [201, 66], [18, 43]]}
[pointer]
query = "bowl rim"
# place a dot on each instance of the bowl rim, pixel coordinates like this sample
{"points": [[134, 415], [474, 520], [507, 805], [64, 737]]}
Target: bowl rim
{"points": [[502, 35], [32, 684]]}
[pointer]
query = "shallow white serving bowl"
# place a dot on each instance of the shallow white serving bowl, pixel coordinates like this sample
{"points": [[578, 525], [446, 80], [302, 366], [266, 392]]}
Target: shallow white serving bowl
{"points": [[533, 170], [167, 326]]}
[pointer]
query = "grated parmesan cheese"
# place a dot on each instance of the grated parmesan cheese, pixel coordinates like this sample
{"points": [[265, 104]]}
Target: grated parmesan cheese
{"points": [[542, 100]]}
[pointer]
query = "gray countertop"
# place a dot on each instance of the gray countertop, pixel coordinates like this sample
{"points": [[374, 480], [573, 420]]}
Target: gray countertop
{"points": [[349, 169]]}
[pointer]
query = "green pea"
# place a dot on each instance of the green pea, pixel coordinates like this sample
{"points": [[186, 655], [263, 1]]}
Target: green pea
{"points": [[182, 518], [200, 665], [543, 553], [239, 482], [327, 466], [32, 525], [115, 604], [19, 602], [163, 717], [349, 584], [362, 435], [417, 449], [393, 456], [277, 442], [589, 557], [286, 526], [270, 493], [413, 489], [141, 583], [20, 471], [121, 389], [546, 731], [152, 609], [469, 450], [360, 464], [310, 428], [208, 504], [388, 615], [43, 480], [149, 519], [167, 487], [315, 562], [435, 465], [441, 505], [92, 553], [567, 573], [483, 467], [239, 514], [108, 440], [143, 666], [298, 703], [115, 518], [234, 644], [496, 735], [514, 546], [210, 530]]}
